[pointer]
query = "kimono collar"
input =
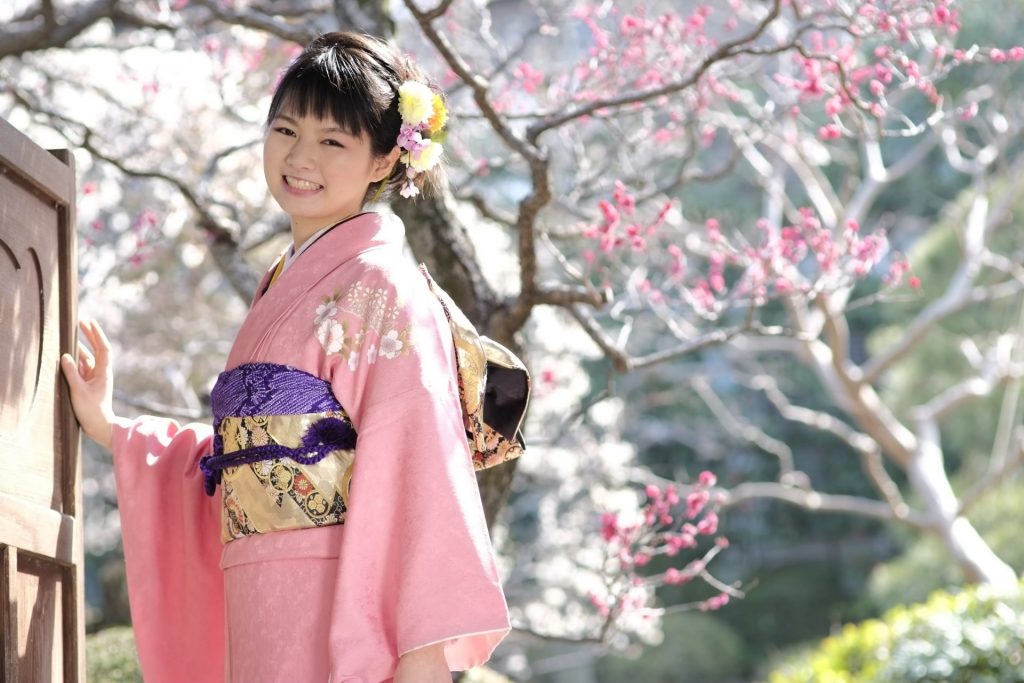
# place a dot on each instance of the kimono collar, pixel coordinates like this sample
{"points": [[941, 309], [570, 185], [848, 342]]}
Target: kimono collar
{"points": [[341, 243], [337, 246], [357, 234]]}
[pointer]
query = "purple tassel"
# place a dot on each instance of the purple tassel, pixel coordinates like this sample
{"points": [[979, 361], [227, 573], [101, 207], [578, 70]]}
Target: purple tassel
{"points": [[323, 436]]}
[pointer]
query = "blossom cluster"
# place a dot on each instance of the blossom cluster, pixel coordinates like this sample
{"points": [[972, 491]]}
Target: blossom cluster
{"points": [[669, 524], [806, 257], [852, 63]]}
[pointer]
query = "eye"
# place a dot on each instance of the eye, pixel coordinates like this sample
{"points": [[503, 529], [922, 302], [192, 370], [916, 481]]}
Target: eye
{"points": [[284, 130], [333, 143]]}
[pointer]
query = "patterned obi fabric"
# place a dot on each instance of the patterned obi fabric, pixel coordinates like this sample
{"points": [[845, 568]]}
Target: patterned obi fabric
{"points": [[283, 450]]}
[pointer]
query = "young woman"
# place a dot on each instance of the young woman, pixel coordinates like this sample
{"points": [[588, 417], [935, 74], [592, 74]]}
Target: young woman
{"points": [[328, 528]]}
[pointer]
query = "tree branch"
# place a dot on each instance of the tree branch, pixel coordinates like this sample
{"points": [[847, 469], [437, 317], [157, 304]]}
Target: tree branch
{"points": [[566, 295], [724, 51], [222, 242], [994, 478], [816, 501], [998, 369], [17, 40], [954, 299], [862, 444], [300, 34], [157, 408], [477, 83], [737, 426]]}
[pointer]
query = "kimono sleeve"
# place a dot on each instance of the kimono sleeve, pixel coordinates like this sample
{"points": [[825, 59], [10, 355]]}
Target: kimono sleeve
{"points": [[172, 549], [416, 566]]}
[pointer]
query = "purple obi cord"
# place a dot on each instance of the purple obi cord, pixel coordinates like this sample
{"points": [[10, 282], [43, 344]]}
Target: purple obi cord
{"points": [[272, 389]]}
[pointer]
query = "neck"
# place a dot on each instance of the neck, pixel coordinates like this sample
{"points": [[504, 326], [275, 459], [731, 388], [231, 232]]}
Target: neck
{"points": [[302, 231]]}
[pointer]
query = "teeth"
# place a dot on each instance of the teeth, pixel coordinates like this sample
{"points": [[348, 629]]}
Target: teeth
{"points": [[300, 184]]}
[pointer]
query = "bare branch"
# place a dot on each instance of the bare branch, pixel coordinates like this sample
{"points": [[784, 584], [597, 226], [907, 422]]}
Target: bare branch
{"points": [[704, 341], [594, 330], [866, 447], [623, 362], [954, 299], [437, 12], [157, 408], [817, 419], [222, 242], [816, 501], [16, 39], [736, 425], [856, 397], [487, 209], [505, 323], [567, 295], [998, 369], [296, 33], [993, 478], [477, 83]]}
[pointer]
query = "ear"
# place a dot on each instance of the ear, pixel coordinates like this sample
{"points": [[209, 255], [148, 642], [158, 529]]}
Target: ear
{"points": [[383, 165]]}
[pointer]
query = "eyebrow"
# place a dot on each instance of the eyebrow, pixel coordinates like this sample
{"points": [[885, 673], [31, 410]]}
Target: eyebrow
{"points": [[329, 129]]}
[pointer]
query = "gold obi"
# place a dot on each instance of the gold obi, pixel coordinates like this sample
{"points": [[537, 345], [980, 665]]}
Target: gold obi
{"points": [[494, 388], [277, 494]]}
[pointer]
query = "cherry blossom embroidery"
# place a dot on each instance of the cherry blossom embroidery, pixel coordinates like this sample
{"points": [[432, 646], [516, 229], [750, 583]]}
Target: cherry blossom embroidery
{"points": [[331, 335], [349, 319], [328, 309], [391, 345]]}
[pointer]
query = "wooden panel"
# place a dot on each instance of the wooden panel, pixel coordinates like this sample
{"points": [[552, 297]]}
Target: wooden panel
{"points": [[40, 615], [29, 344], [43, 171], [38, 529], [42, 625]]}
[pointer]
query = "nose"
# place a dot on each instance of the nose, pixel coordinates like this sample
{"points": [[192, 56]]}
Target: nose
{"points": [[300, 155]]}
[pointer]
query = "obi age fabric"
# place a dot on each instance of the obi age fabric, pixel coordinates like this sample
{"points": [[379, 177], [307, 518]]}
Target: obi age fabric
{"points": [[394, 554]]}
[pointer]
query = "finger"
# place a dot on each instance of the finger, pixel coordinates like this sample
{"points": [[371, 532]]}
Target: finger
{"points": [[86, 361], [67, 364], [87, 333], [100, 343]]}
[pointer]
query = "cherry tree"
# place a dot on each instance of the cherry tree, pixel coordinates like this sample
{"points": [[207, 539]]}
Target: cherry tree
{"points": [[589, 141]]}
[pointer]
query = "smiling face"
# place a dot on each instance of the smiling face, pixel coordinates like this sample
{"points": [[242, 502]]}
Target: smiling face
{"points": [[318, 172]]}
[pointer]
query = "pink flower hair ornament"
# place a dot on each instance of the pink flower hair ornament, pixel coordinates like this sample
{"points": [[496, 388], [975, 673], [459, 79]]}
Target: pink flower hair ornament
{"points": [[423, 117]]}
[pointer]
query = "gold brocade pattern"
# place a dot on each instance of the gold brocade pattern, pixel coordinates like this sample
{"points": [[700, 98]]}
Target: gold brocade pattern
{"points": [[476, 356], [279, 493]]}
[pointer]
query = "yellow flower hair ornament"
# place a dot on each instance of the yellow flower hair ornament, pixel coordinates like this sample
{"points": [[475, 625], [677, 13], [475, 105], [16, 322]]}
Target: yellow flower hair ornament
{"points": [[423, 115]]}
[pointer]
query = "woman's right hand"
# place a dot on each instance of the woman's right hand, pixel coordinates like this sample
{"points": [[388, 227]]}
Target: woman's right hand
{"points": [[91, 380]]}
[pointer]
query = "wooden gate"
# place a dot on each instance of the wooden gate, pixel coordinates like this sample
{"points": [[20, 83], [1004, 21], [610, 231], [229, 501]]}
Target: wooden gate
{"points": [[42, 630]]}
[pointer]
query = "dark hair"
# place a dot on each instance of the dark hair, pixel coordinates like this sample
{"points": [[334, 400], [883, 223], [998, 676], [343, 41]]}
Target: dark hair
{"points": [[353, 78]]}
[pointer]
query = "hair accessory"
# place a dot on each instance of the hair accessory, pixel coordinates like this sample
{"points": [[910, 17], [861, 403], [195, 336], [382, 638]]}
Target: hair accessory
{"points": [[423, 117]]}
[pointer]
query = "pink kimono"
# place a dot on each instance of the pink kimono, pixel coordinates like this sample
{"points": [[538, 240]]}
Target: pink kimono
{"points": [[411, 564]]}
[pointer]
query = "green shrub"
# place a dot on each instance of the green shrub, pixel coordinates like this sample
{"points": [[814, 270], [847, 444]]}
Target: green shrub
{"points": [[969, 637], [110, 656]]}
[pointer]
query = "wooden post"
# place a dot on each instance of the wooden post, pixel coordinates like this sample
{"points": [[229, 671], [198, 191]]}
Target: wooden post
{"points": [[41, 547]]}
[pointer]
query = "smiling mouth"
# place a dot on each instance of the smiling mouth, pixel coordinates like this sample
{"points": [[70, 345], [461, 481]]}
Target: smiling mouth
{"points": [[300, 184]]}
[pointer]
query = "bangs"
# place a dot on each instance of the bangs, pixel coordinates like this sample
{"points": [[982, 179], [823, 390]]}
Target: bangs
{"points": [[332, 86]]}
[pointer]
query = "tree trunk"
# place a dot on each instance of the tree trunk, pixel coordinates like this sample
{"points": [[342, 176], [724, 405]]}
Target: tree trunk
{"points": [[438, 240], [928, 477]]}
